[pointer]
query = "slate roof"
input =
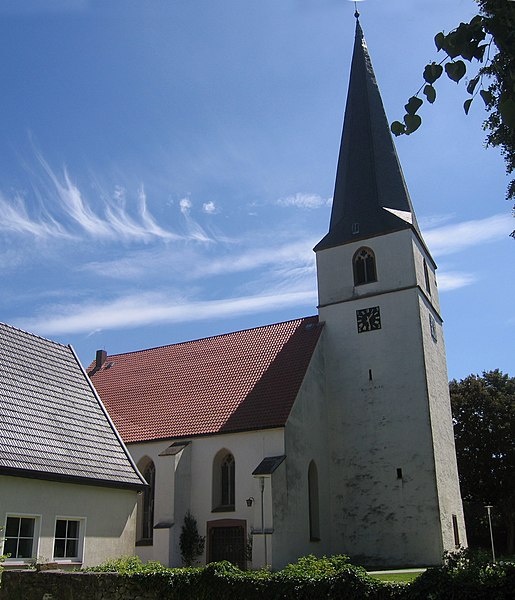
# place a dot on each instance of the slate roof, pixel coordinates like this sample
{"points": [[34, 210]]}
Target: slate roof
{"points": [[369, 178], [234, 382], [52, 423]]}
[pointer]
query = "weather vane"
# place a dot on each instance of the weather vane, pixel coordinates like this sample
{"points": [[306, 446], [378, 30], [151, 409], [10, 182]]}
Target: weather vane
{"points": [[356, 11]]}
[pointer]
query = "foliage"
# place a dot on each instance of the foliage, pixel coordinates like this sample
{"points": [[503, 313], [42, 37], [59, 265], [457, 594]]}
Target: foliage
{"points": [[487, 41], [129, 565], [464, 575], [2, 556], [191, 543], [483, 414]]}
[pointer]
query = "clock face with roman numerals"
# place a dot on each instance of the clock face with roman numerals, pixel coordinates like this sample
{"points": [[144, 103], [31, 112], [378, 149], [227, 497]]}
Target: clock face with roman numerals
{"points": [[368, 319]]}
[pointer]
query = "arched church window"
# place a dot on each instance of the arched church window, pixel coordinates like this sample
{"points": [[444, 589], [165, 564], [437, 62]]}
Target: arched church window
{"points": [[364, 265], [314, 508], [224, 481], [146, 506]]}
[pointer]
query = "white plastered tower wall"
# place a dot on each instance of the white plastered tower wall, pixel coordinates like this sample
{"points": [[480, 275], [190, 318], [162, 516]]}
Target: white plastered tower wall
{"points": [[395, 491], [388, 407]]}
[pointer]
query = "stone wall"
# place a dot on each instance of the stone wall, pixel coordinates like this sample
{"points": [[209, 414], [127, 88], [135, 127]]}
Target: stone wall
{"points": [[59, 585]]}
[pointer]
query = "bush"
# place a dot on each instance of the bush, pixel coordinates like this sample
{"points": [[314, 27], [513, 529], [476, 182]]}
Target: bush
{"points": [[464, 575]]}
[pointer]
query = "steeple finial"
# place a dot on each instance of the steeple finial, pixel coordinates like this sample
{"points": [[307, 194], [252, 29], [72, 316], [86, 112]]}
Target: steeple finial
{"points": [[370, 196], [356, 11]]}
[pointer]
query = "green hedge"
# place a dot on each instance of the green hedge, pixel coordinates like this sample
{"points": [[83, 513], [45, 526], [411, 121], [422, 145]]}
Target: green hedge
{"points": [[461, 577]]}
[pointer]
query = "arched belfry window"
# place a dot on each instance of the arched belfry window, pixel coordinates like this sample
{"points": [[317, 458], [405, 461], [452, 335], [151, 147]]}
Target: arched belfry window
{"points": [[224, 481], [364, 266], [146, 505], [314, 508]]}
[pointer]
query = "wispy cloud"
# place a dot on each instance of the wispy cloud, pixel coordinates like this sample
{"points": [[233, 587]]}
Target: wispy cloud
{"points": [[308, 201], [456, 237], [15, 219], [453, 280], [153, 309], [60, 209]]}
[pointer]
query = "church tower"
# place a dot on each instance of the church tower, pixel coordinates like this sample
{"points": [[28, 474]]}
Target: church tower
{"points": [[395, 495]]}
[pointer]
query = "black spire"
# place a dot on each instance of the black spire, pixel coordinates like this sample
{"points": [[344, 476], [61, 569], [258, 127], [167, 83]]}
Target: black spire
{"points": [[370, 195]]}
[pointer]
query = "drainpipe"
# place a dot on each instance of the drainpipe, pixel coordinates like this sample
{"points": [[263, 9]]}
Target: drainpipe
{"points": [[262, 481]]}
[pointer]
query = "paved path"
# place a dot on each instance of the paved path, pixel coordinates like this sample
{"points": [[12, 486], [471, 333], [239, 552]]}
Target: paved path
{"points": [[420, 570]]}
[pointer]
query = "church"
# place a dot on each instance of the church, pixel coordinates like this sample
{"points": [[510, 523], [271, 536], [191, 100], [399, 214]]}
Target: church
{"points": [[330, 434]]}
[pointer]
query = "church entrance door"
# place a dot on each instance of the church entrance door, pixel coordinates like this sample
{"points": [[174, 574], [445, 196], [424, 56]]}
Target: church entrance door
{"points": [[226, 541]]}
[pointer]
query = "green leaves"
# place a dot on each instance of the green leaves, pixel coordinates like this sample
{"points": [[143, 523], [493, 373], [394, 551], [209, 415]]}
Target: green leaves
{"points": [[507, 110], [430, 93], [432, 72], [413, 122], [413, 105], [487, 96], [466, 105], [455, 70], [398, 128], [471, 86]]}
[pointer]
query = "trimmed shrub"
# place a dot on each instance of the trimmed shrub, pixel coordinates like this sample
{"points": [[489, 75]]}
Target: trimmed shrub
{"points": [[465, 575]]}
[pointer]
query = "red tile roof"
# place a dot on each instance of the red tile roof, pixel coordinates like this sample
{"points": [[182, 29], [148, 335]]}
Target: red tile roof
{"points": [[227, 383]]}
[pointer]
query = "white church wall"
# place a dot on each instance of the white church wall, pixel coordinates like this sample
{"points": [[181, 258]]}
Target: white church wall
{"points": [[306, 441], [180, 488]]}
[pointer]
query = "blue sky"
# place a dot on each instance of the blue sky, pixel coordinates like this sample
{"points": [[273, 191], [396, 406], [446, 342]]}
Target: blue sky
{"points": [[166, 167]]}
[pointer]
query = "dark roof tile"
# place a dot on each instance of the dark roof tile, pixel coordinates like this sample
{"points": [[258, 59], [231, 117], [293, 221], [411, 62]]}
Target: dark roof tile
{"points": [[51, 420]]}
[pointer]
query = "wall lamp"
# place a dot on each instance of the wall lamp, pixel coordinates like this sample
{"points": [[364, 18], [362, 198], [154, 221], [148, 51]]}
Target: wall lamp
{"points": [[249, 501]]}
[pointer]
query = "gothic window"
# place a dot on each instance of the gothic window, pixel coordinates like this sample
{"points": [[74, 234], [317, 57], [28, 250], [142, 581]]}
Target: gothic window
{"points": [[364, 264], [146, 506], [314, 509], [224, 481]]}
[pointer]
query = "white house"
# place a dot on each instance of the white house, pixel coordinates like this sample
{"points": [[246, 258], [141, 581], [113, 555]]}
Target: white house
{"points": [[68, 486], [327, 434]]}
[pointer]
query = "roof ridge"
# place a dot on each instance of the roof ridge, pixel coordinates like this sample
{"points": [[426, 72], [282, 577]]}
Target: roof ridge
{"points": [[34, 335], [212, 337]]}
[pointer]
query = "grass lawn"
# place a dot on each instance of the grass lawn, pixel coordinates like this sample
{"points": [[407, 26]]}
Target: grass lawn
{"points": [[397, 577]]}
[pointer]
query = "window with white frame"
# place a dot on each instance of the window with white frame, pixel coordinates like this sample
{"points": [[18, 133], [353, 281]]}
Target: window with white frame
{"points": [[68, 539], [20, 537]]}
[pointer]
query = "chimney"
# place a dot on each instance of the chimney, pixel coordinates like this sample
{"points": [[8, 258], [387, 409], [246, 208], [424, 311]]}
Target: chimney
{"points": [[100, 359]]}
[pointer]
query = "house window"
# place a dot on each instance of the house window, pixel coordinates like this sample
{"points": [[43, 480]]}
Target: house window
{"points": [[314, 509], [364, 265], [224, 480], [67, 539], [20, 534], [147, 524]]}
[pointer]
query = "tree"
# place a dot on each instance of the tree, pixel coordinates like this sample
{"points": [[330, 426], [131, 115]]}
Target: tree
{"points": [[487, 42], [483, 411], [191, 543]]}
